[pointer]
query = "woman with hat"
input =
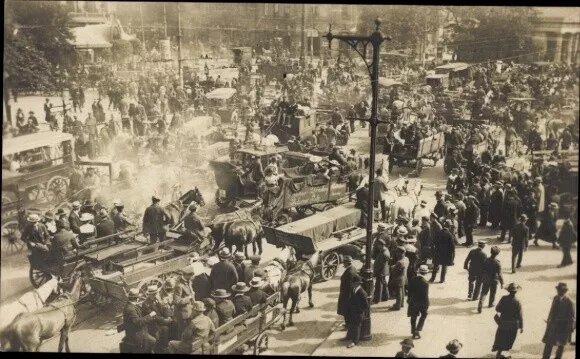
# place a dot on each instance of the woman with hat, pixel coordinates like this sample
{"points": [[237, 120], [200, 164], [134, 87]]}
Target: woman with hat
{"points": [[242, 303], [200, 327], [561, 322], [453, 347], [547, 230], [509, 321], [406, 346], [225, 309]]}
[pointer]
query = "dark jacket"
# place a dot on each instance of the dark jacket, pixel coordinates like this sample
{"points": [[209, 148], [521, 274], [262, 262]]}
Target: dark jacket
{"points": [[512, 209], [257, 296], [418, 295], [345, 289], [471, 216], [201, 286], [242, 304], [398, 276], [561, 321], [225, 311], [401, 354], [357, 305], [495, 206], [223, 276], [492, 270], [444, 253], [249, 273], [381, 264], [240, 270], [520, 234], [155, 219], [439, 209], [474, 261], [105, 228], [74, 221], [134, 321], [567, 234]]}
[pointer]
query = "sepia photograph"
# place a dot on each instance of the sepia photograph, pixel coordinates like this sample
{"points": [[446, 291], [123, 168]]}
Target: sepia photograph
{"points": [[290, 179]]}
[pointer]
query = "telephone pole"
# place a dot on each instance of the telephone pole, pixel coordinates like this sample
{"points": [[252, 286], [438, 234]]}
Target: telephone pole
{"points": [[179, 46], [165, 20], [142, 30], [303, 45]]}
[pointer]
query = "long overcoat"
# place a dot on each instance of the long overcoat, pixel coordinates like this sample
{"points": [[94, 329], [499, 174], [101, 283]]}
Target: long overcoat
{"points": [[444, 253], [345, 289], [561, 321]]}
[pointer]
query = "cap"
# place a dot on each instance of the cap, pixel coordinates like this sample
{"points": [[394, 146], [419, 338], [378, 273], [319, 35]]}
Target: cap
{"points": [[481, 243]]}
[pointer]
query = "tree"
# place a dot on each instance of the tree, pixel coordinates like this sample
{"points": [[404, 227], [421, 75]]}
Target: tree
{"points": [[489, 33], [137, 46], [121, 50]]}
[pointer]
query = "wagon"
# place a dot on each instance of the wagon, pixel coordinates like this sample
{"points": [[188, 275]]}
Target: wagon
{"points": [[223, 101], [248, 331], [334, 232], [412, 156]]}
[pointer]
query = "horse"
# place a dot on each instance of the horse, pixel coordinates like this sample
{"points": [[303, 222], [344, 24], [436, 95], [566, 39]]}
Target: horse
{"points": [[28, 330], [239, 234], [297, 283], [403, 199], [276, 270], [29, 302], [176, 209]]}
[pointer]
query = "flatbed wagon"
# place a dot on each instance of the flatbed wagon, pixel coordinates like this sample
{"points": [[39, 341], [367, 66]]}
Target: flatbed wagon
{"points": [[412, 156]]}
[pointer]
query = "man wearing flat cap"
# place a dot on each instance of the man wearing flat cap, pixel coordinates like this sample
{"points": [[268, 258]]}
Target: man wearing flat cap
{"points": [[561, 322], [491, 275], [521, 236], [156, 221], [474, 266], [398, 278]]}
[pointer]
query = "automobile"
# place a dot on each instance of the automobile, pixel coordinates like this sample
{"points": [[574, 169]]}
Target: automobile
{"points": [[224, 102]]}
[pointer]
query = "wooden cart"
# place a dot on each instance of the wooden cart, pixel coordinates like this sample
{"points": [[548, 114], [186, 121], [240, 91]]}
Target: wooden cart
{"points": [[412, 156]]}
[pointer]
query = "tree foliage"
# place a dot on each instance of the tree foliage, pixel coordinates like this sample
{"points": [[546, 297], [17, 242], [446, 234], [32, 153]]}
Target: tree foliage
{"points": [[490, 33], [137, 46], [121, 50]]}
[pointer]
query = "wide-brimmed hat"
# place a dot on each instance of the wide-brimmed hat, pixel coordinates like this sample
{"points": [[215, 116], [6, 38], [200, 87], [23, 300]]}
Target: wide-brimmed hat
{"points": [[133, 294], [76, 205], [49, 215], [239, 256], [382, 226], [211, 261], [198, 306], [523, 217], [153, 289], [256, 282], [423, 269], [454, 345], [562, 286], [224, 253], [86, 216], [60, 212], [155, 198], [402, 231], [240, 287], [33, 217], [347, 259], [512, 287], [220, 293], [481, 243], [117, 202]]}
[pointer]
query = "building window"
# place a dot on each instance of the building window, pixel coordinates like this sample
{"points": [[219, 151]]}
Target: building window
{"points": [[276, 10], [315, 10], [345, 12]]}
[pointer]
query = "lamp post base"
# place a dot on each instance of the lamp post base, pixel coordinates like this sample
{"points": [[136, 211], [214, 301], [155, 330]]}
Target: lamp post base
{"points": [[367, 279]]}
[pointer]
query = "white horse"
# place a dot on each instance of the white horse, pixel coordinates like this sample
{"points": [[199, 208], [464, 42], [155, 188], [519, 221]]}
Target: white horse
{"points": [[28, 303], [276, 270], [403, 197]]}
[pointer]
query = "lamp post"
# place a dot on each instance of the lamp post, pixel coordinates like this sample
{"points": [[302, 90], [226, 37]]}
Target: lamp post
{"points": [[375, 39]]}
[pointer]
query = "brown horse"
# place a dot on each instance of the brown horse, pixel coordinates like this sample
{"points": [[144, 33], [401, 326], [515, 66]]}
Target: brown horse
{"points": [[239, 234], [176, 209], [28, 330], [297, 283]]}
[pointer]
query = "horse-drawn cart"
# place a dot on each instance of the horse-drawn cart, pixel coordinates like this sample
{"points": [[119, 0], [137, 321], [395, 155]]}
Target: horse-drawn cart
{"points": [[412, 156]]}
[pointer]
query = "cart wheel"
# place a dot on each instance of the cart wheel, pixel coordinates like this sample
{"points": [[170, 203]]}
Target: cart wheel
{"points": [[305, 211], [33, 193], [419, 167], [56, 189], [327, 206], [11, 238], [38, 277], [222, 202], [329, 266], [142, 287], [8, 197], [261, 344], [283, 218]]}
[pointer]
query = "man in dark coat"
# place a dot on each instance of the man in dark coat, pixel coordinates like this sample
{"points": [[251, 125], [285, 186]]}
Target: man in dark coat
{"points": [[251, 269], [136, 324], [561, 322], [381, 258], [257, 295], [74, 218], [567, 237], [239, 264], [439, 209], [362, 202], [224, 308], [398, 278], [496, 206], [346, 288], [470, 219], [484, 198], [159, 327], [63, 242], [509, 321], [512, 209], [491, 276], [425, 241], [521, 236], [156, 221], [356, 309], [444, 251], [418, 301], [223, 275], [474, 266], [242, 302], [461, 208], [106, 226]]}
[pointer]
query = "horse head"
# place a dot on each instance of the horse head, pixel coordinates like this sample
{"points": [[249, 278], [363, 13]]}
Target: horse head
{"points": [[193, 195]]}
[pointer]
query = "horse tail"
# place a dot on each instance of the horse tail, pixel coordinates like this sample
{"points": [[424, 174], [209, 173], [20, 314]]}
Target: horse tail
{"points": [[284, 292]]}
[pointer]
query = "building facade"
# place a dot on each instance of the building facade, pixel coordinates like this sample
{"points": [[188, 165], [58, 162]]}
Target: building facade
{"points": [[557, 33]]}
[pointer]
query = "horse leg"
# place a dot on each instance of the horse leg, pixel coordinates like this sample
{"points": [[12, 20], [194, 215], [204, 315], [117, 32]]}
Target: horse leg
{"points": [[294, 306], [259, 243], [64, 337], [310, 295]]}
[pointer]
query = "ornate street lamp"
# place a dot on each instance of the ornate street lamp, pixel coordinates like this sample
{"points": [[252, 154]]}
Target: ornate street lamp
{"points": [[375, 39]]}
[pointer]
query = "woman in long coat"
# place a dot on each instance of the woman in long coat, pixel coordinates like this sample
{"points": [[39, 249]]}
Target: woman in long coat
{"points": [[561, 322], [509, 322], [547, 230], [495, 207]]}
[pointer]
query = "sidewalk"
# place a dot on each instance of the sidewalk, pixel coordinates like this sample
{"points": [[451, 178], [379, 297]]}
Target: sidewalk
{"points": [[451, 316]]}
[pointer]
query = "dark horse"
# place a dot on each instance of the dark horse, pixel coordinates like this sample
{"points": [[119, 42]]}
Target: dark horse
{"points": [[297, 283], [176, 209], [239, 228], [28, 330]]}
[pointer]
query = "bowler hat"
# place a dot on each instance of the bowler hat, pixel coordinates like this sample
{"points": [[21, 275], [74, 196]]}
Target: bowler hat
{"points": [[512, 287], [152, 289], [220, 293], [133, 294], [255, 259], [407, 343], [382, 226], [155, 198], [60, 212], [562, 286], [454, 345], [49, 215]]}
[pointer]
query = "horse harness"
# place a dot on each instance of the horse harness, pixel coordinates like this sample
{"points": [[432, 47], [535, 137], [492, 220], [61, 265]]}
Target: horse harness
{"points": [[37, 297]]}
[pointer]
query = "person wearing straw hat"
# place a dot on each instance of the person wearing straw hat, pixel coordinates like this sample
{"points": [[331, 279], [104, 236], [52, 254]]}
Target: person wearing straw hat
{"points": [[561, 322], [547, 230], [224, 306], [567, 237], [135, 323], [418, 301], [491, 277], [256, 294], [521, 236], [74, 217], [474, 266], [159, 328], [510, 320], [406, 346], [223, 274], [242, 302], [453, 347], [200, 327], [87, 229]]}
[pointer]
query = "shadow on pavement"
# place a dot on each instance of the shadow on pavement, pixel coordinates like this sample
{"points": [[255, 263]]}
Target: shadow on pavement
{"points": [[554, 278], [454, 311], [534, 267], [296, 332], [333, 289], [445, 301]]}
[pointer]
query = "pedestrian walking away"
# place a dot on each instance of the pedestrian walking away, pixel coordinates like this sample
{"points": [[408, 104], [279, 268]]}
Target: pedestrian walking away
{"points": [[509, 319], [560, 323]]}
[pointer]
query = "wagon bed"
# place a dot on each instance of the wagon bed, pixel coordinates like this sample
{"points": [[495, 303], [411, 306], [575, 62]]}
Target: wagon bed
{"points": [[429, 148]]}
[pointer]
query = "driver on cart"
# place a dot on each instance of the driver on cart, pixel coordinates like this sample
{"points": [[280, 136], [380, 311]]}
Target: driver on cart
{"points": [[195, 228], [255, 174]]}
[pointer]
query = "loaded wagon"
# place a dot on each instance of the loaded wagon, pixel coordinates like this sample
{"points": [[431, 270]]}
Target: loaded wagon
{"points": [[412, 155]]}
